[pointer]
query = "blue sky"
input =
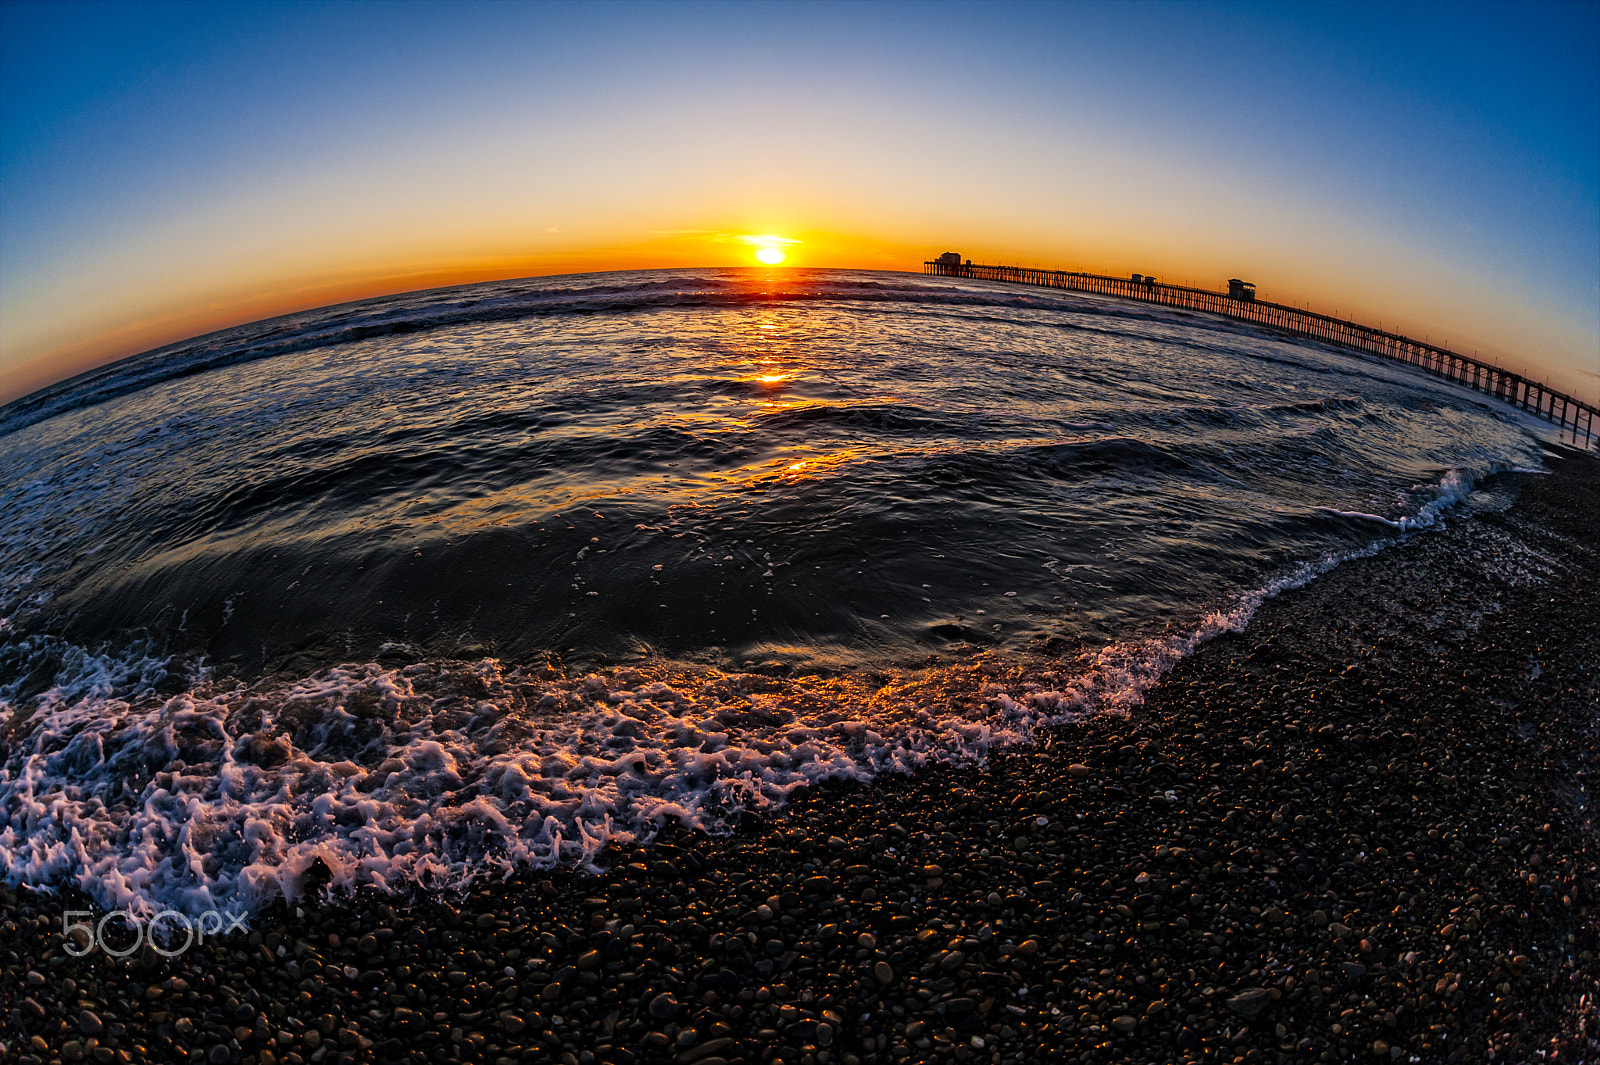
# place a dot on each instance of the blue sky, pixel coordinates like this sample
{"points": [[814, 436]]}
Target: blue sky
{"points": [[169, 169]]}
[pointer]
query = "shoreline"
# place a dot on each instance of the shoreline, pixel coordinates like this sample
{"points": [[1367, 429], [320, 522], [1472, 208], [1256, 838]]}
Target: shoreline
{"points": [[1359, 830]]}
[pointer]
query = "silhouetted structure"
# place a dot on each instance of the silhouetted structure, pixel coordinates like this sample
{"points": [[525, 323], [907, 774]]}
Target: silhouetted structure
{"points": [[1557, 407], [1241, 290]]}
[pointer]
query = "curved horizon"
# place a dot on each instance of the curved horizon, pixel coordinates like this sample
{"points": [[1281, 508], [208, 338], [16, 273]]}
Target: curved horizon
{"points": [[111, 365], [169, 171]]}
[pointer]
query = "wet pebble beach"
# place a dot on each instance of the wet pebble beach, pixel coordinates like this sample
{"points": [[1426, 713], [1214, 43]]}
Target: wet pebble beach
{"points": [[1361, 830]]}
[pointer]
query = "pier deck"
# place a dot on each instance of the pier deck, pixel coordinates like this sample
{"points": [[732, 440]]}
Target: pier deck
{"points": [[1572, 415]]}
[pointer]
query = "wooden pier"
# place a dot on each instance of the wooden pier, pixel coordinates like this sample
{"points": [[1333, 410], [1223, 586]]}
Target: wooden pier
{"points": [[1570, 414]]}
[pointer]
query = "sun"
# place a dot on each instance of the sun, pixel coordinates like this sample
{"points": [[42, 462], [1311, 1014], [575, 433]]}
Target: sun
{"points": [[769, 248]]}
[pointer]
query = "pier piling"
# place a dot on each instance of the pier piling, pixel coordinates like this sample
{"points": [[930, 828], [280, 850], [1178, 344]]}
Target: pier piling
{"points": [[1572, 415]]}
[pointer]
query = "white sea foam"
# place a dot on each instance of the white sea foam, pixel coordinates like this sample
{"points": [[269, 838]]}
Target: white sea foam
{"points": [[1359, 515], [1455, 487], [437, 773], [1452, 489]]}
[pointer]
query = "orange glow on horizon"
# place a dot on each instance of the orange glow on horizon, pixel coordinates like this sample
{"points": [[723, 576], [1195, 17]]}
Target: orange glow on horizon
{"points": [[118, 333], [149, 319]]}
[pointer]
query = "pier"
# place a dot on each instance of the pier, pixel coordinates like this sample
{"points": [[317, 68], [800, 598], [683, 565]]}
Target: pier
{"points": [[1570, 414]]}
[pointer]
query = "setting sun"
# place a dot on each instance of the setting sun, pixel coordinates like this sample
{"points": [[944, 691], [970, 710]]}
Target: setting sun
{"points": [[770, 250]]}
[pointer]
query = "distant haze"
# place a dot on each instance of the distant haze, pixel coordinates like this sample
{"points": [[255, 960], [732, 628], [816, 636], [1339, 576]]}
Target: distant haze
{"points": [[166, 170]]}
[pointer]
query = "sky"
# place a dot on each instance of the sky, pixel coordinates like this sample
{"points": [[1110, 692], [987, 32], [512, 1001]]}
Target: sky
{"points": [[171, 169]]}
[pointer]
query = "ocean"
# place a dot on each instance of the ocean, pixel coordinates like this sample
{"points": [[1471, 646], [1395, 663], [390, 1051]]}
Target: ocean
{"points": [[436, 586]]}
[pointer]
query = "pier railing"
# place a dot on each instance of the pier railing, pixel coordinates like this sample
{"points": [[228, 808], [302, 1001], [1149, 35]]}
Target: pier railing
{"points": [[1571, 414]]}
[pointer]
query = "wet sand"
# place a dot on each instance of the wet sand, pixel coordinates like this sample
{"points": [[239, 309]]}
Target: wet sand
{"points": [[1360, 830]]}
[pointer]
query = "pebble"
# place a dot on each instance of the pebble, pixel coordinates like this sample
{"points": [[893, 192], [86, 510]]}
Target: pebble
{"points": [[1250, 1001], [1305, 895]]}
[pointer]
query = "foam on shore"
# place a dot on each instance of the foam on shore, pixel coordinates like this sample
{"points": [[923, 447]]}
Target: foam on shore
{"points": [[223, 796]]}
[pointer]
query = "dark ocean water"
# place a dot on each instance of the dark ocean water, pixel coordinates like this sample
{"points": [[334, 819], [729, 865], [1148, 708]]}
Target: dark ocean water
{"points": [[444, 582]]}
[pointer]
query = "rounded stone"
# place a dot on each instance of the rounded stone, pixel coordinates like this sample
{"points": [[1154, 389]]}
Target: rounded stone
{"points": [[663, 1007], [1250, 1001]]}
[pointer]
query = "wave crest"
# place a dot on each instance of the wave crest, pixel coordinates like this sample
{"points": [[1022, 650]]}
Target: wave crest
{"points": [[431, 775]]}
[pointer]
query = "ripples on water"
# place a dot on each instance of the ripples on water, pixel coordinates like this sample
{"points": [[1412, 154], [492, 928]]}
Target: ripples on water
{"points": [[453, 580]]}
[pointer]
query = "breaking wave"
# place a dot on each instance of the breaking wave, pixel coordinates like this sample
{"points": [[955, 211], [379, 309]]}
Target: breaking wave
{"points": [[223, 796]]}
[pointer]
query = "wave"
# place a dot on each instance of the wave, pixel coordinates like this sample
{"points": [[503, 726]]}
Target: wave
{"points": [[444, 771], [224, 795], [478, 304], [572, 295], [909, 492]]}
